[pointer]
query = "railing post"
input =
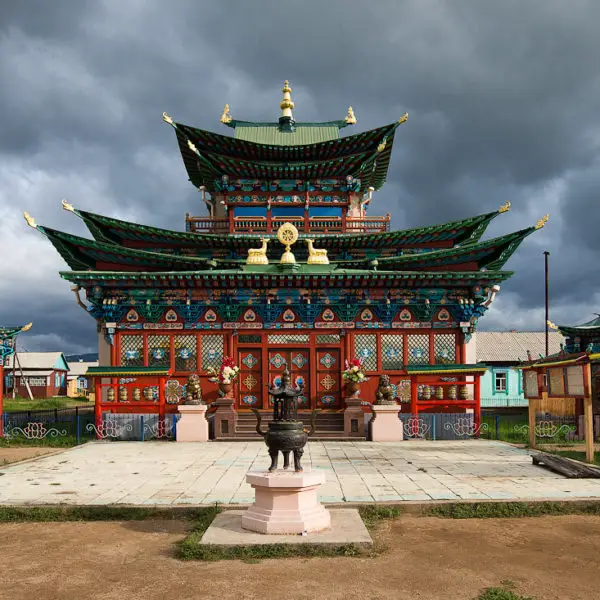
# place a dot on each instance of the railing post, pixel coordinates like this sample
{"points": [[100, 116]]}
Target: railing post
{"points": [[77, 426]]}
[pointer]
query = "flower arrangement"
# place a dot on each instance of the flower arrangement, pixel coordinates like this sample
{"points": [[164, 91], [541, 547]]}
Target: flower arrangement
{"points": [[227, 373], [354, 372]]}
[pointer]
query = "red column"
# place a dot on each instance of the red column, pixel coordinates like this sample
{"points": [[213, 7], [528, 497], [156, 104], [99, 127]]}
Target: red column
{"points": [[1, 400], [98, 405], [161, 398], [477, 398], [414, 409]]}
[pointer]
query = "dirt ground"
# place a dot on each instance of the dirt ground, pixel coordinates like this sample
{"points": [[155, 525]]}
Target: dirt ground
{"points": [[17, 453], [549, 558]]}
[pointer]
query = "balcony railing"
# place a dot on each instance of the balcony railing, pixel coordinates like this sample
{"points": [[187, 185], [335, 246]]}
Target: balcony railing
{"points": [[319, 225]]}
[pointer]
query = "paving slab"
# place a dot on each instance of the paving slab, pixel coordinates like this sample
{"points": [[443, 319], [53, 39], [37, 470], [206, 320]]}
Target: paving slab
{"points": [[169, 474], [346, 528]]}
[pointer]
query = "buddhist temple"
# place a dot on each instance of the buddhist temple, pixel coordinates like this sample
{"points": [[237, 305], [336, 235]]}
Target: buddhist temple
{"points": [[286, 269]]}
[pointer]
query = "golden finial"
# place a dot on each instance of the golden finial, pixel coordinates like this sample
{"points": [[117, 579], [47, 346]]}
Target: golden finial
{"points": [[167, 119], [287, 103], [192, 147], [287, 234], [504, 207], [542, 221], [381, 146], [226, 117], [316, 256], [258, 256], [403, 118], [552, 325], [30, 220], [26, 327], [67, 206], [350, 118]]}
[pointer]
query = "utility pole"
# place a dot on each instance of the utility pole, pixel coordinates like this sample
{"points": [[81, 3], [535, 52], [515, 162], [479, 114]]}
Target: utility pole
{"points": [[546, 255]]}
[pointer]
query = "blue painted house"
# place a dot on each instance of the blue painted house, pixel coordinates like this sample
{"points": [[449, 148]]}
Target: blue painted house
{"points": [[501, 351]]}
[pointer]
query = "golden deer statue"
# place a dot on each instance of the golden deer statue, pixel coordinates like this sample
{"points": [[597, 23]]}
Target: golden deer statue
{"points": [[316, 256], [258, 256]]}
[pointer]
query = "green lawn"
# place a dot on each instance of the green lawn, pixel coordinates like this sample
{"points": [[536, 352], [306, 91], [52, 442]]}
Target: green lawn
{"points": [[18, 404], [577, 455]]}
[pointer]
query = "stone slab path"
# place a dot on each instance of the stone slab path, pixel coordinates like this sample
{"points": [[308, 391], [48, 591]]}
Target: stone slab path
{"points": [[167, 473]]}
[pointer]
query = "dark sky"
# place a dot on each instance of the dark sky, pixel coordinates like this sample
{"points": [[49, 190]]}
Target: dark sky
{"points": [[503, 101]]}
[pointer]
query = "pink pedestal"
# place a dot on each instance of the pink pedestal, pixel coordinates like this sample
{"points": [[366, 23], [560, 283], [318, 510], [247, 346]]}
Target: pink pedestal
{"points": [[286, 503], [192, 426], [385, 425], [354, 418]]}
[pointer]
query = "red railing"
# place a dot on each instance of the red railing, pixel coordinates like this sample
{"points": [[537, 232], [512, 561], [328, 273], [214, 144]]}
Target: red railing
{"points": [[266, 225]]}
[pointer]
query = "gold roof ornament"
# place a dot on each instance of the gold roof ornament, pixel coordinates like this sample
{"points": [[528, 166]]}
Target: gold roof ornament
{"points": [[287, 234], [505, 207], [381, 146], [226, 117], [551, 324], [192, 147], [403, 118], [542, 221], [167, 119], [316, 256], [26, 327], [286, 104], [258, 256], [30, 220], [350, 118], [67, 206]]}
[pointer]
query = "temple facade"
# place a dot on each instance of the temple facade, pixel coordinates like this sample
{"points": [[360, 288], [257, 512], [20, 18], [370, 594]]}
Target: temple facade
{"points": [[286, 269]]}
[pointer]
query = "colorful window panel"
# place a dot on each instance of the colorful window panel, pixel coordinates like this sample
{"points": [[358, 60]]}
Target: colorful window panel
{"points": [[159, 354], [212, 351], [444, 348], [365, 348], [418, 349], [392, 352], [246, 338], [185, 353], [132, 351], [328, 338], [288, 338]]}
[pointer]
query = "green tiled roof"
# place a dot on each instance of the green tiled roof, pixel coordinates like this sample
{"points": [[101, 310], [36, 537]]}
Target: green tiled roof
{"points": [[570, 330], [126, 371], [10, 332], [270, 133]]}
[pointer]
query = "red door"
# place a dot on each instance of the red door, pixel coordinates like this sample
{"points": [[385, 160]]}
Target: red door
{"points": [[297, 363], [250, 388], [328, 378]]}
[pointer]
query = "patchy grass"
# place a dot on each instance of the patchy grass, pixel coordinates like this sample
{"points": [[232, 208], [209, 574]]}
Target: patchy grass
{"points": [[494, 510], [576, 455], [48, 442], [497, 593], [373, 514], [44, 514], [20, 404]]}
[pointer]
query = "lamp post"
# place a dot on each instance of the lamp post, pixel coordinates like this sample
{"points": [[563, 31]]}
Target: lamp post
{"points": [[546, 255]]}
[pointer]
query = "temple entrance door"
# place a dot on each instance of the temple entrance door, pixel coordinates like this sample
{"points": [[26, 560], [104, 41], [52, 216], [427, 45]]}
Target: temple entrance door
{"points": [[328, 378], [298, 364], [250, 387]]}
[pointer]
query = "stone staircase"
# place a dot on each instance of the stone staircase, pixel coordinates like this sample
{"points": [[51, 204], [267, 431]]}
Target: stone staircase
{"points": [[330, 426]]}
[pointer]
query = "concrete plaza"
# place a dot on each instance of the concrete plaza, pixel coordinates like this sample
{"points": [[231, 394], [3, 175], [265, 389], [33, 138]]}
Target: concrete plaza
{"points": [[168, 473]]}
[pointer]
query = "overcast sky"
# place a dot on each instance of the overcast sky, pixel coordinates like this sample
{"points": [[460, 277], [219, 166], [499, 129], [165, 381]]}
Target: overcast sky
{"points": [[503, 101]]}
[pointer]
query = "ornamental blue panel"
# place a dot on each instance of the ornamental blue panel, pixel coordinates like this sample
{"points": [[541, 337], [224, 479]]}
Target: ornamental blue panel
{"points": [[250, 361], [278, 361], [250, 400], [327, 361]]}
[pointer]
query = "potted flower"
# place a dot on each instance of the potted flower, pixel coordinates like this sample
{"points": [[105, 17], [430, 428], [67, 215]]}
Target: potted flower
{"points": [[225, 375], [353, 375]]}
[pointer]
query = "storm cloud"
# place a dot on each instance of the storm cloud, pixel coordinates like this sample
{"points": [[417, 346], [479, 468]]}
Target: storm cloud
{"points": [[502, 99]]}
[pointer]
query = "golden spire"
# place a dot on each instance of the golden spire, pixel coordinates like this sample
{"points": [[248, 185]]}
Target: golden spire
{"points": [[192, 147], [350, 118], [226, 117], [552, 325], [381, 146], [403, 118], [542, 221], [67, 206], [167, 119], [30, 220], [286, 104], [504, 207]]}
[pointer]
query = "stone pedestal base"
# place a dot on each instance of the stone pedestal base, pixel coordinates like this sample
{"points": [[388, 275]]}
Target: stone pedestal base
{"points": [[225, 418], [354, 418], [286, 503], [192, 426], [385, 425]]}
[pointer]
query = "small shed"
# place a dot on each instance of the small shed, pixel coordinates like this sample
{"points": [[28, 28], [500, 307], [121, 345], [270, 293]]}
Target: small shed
{"points": [[45, 373]]}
